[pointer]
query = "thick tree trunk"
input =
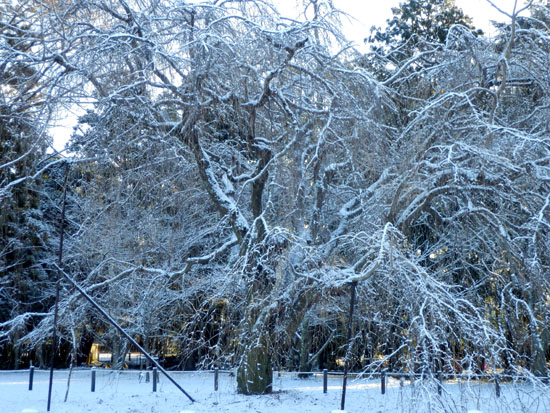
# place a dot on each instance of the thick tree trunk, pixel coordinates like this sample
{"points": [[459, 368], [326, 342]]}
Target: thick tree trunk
{"points": [[538, 367], [255, 373], [538, 355], [305, 345], [538, 345]]}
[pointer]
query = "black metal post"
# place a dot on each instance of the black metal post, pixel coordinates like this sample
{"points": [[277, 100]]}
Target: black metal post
{"points": [[58, 285], [155, 375], [216, 374], [54, 342], [31, 377], [383, 382], [353, 286], [93, 380], [439, 384], [497, 386], [325, 380]]}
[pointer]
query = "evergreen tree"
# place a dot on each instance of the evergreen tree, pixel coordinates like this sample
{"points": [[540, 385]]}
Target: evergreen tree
{"points": [[415, 21], [26, 236], [417, 29]]}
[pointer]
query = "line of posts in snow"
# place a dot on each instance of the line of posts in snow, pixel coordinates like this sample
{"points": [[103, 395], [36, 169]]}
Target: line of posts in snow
{"points": [[383, 379]]}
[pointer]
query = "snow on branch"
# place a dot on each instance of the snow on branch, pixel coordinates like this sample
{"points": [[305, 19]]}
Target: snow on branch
{"points": [[362, 273], [205, 259], [8, 328]]}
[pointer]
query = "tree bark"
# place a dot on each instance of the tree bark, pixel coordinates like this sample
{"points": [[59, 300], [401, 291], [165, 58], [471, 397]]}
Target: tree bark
{"points": [[305, 346], [255, 373]]}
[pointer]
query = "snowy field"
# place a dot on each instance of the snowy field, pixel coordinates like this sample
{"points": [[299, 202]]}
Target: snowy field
{"points": [[122, 392]]}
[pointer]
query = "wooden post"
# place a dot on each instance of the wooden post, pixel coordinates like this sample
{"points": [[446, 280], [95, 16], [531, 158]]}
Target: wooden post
{"points": [[155, 376], [439, 387], [31, 377], [497, 386], [383, 382], [325, 380], [216, 374], [93, 379], [147, 377]]}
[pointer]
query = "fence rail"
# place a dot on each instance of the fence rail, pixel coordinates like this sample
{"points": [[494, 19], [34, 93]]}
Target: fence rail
{"points": [[438, 377], [390, 390]]}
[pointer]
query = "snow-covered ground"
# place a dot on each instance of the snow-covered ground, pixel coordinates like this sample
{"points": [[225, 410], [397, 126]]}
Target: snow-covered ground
{"points": [[122, 392]]}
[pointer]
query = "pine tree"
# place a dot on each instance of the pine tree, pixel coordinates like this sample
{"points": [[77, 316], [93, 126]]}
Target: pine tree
{"points": [[419, 20]]}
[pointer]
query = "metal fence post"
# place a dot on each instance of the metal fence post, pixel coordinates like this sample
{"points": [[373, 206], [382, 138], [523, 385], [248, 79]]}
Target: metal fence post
{"points": [[497, 386], [325, 380], [216, 374], [383, 382], [155, 376], [31, 377], [439, 385], [93, 379]]}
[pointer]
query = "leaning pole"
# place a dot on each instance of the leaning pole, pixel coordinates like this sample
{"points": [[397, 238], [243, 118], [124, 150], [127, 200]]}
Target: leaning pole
{"points": [[121, 330]]}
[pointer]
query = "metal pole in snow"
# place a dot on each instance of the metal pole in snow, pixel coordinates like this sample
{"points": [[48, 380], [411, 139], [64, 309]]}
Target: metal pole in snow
{"points": [[121, 330], [31, 377], [58, 285], [93, 380], [348, 343], [54, 343]]}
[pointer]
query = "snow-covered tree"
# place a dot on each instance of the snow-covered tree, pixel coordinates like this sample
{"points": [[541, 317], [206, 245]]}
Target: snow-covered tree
{"points": [[239, 172], [28, 233]]}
